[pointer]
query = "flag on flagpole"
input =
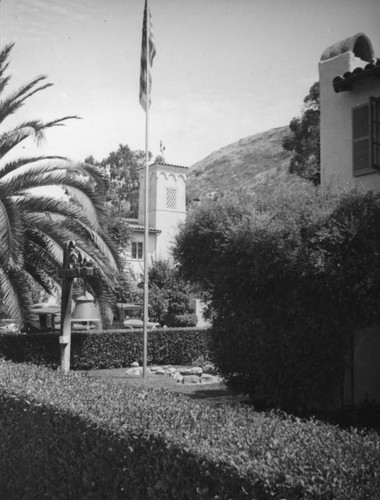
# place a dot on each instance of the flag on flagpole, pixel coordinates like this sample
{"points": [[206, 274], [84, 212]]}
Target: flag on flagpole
{"points": [[146, 59]]}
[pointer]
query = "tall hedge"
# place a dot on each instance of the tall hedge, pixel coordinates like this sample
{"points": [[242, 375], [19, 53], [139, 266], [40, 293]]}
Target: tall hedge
{"points": [[289, 276], [110, 349]]}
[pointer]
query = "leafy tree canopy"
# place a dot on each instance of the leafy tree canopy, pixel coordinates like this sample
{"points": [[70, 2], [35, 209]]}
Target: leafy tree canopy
{"points": [[303, 139], [123, 190]]}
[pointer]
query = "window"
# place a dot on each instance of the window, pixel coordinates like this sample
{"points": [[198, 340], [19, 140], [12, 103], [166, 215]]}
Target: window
{"points": [[366, 137], [171, 198], [137, 250]]}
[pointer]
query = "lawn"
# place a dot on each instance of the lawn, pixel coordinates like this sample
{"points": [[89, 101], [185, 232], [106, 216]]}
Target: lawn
{"points": [[209, 393]]}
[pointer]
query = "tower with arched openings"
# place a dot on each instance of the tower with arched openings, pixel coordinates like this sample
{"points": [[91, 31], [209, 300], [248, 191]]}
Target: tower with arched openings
{"points": [[167, 210]]}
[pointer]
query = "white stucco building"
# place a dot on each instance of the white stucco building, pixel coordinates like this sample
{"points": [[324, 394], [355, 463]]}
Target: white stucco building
{"points": [[167, 210], [349, 78]]}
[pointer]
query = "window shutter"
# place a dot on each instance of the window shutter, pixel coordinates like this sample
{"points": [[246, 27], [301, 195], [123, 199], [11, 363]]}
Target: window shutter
{"points": [[375, 131], [361, 139]]}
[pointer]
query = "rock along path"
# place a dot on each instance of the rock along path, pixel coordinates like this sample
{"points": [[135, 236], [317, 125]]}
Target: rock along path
{"points": [[198, 385]]}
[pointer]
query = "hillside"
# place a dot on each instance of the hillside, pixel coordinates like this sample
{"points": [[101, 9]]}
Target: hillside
{"points": [[243, 164]]}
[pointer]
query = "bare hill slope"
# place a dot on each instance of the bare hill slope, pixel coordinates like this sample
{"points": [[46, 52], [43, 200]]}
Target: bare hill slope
{"points": [[241, 165]]}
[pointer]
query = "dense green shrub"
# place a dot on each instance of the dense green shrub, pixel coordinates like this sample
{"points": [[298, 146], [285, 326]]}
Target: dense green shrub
{"points": [[169, 296], [111, 348], [289, 276], [185, 320], [78, 437]]}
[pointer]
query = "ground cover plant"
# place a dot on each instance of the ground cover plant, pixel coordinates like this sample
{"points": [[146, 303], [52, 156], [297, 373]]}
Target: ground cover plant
{"points": [[68, 436]]}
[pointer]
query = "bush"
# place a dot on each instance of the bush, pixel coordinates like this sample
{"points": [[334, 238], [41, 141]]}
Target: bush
{"points": [[289, 275], [111, 348], [169, 296], [184, 320], [71, 436]]}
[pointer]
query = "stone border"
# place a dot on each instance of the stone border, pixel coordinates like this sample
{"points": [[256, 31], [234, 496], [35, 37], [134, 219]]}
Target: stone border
{"points": [[187, 375]]}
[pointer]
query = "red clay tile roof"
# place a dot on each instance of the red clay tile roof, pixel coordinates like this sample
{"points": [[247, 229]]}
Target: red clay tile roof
{"points": [[136, 226], [345, 82]]}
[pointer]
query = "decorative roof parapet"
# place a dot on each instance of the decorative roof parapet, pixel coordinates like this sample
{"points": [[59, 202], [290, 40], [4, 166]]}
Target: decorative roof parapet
{"points": [[162, 164], [359, 44]]}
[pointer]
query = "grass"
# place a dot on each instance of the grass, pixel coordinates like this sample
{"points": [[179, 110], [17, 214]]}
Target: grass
{"points": [[214, 394]]}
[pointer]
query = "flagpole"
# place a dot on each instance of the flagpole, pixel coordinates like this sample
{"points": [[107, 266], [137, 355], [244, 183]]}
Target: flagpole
{"points": [[146, 211]]}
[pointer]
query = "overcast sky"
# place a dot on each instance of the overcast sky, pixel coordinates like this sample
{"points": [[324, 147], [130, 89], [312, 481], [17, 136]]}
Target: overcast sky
{"points": [[224, 69]]}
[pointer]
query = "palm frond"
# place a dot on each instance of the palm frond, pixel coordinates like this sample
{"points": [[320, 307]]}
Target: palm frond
{"points": [[12, 166], [38, 176], [70, 177], [47, 206], [104, 243], [50, 211], [14, 101], [104, 294], [82, 199], [34, 228], [101, 285], [11, 232], [4, 54], [46, 248], [5, 231], [43, 278], [98, 175], [15, 291], [32, 128], [4, 80], [60, 230]]}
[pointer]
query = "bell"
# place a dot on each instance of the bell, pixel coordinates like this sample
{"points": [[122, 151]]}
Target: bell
{"points": [[85, 309]]}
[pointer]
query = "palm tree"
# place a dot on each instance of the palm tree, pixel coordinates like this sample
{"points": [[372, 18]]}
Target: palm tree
{"points": [[34, 226]]}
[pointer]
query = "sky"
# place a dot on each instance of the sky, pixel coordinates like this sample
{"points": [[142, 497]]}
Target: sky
{"points": [[224, 69]]}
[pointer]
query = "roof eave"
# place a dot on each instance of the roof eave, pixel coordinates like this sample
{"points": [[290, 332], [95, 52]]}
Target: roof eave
{"points": [[344, 83]]}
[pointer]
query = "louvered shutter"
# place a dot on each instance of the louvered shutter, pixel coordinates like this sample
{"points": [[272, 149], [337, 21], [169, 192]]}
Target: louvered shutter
{"points": [[361, 139], [375, 131]]}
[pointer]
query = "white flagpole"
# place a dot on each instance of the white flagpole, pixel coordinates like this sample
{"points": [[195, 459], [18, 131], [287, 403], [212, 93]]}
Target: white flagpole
{"points": [[146, 212]]}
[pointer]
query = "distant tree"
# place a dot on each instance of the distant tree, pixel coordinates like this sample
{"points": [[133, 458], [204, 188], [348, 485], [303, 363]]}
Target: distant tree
{"points": [[123, 193], [122, 200], [169, 296], [304, 138]]}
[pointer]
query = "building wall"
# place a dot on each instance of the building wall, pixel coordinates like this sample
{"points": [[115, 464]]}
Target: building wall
{"points": [[137, 265], [362, 378], [336, 122], [167, 203], [171, 210]]}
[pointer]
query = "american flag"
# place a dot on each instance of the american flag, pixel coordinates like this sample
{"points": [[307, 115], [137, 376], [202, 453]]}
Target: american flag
{"points": [[146, 63]]}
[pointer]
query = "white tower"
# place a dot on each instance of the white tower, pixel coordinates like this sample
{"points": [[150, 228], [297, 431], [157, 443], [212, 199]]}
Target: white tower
{"points": [[167, 203]]}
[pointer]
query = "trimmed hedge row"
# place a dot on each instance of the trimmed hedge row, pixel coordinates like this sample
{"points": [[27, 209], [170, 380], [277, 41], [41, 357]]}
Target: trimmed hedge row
{"points": [[111, 348], [79, 437]]}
